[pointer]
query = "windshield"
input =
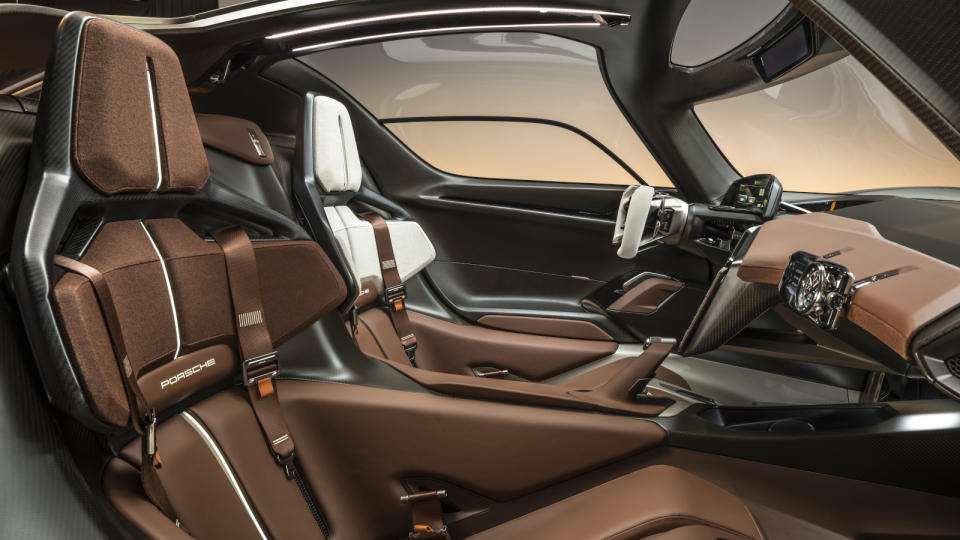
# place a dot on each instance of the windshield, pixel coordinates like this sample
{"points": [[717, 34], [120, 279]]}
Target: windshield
{"points": [[833, 130]]}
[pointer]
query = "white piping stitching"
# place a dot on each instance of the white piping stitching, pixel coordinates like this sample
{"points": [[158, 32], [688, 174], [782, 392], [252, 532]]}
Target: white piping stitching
{"points": [[166, 279], [153, 119], [225, 466]]}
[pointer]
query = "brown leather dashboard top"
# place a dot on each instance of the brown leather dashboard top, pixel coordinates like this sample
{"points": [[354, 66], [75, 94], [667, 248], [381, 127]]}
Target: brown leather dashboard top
{"points": [[892, 309]]}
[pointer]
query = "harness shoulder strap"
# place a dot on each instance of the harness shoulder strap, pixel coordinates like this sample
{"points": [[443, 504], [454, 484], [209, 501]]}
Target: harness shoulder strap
{"points": [[142, 417], [394, 291], [258, 357]]}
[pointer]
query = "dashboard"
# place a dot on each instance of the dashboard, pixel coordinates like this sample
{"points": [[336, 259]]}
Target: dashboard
{"points": [[869, 300]]}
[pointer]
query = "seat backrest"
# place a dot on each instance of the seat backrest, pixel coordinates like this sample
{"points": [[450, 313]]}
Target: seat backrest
{"points": [[122, 187], [336, 168]]}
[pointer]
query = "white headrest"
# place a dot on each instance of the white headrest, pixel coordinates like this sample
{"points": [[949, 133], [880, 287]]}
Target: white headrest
{"points": [[336, 162]]}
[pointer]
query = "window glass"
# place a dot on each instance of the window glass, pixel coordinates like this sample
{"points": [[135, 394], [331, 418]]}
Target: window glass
{"points": [[496, 74], [833, 130], [510, 150], [712, 28]]}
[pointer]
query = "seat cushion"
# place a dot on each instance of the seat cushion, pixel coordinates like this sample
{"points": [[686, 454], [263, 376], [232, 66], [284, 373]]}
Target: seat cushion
{"points": [[652, 501]]}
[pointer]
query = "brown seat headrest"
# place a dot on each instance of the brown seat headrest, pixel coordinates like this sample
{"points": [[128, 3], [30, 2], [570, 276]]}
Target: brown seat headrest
{"points": [[237, 137], [133, 126]]}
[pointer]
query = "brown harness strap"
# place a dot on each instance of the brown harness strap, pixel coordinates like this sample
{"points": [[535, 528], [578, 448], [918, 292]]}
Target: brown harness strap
{"points": [[142, 417], [394, 292], [427, 513], [258, 356]]}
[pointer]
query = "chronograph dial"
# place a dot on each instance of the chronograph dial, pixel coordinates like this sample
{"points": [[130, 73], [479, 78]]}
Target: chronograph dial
{"points": [[810, 288]]}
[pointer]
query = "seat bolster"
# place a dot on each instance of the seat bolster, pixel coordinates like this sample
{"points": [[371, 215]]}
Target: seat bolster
{"points": [[651, 501], [411, 247]]}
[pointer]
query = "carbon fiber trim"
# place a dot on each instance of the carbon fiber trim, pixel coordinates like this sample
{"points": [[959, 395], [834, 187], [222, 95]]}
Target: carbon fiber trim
{"points": [[730, 305]]}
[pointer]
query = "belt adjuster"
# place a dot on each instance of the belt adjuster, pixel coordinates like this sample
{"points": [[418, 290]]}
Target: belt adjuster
{"points": [[395, 294], [258, 368]]}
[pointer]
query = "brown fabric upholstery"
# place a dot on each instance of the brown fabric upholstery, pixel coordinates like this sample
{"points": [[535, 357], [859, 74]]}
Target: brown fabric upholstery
{"points": [[298, 282], [647, 502], [113, 140], [232, 135]]}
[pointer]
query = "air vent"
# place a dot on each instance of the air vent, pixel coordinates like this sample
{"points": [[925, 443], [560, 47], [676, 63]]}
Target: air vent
{"points": [[953, 366]]}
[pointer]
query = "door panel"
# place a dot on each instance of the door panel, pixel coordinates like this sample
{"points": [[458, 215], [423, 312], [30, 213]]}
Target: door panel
{"points": [[499, 254]]}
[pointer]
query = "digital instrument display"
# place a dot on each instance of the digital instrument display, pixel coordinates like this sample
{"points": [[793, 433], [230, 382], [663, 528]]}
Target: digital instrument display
{"points": [[752, 195], [757, 194]]}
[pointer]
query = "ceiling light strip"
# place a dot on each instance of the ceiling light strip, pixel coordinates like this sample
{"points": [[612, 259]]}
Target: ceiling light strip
{"points": [[441, 12], [480, 28], [201, 22]]}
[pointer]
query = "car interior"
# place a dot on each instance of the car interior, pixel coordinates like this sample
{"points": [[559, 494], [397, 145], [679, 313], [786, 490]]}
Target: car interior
{"points": [[407, 269]]}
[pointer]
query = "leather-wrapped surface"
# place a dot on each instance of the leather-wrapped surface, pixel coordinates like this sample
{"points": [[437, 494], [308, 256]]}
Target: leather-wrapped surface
{"points": [[230, 422], [643, 503], [455, 348], [298, 282], [236, 137], [412, 250], [496, 450], [892, 309], [336, 161], [546, 326], [115, 143]]}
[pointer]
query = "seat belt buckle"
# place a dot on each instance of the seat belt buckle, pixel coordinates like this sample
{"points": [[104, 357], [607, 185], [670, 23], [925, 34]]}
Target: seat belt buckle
{"points": [[259, 368], [411, 351], [395, 296]]}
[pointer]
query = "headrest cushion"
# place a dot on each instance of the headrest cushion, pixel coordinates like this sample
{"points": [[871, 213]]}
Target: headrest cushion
{"points": [[235, 136], [336, 161], [133, 125]]}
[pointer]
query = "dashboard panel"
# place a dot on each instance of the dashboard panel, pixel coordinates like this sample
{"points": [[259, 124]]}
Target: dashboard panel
{"points": [[897, 291]]}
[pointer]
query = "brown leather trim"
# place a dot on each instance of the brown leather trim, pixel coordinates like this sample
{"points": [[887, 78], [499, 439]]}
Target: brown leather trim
{"points": [[649, 501], [121, 486], [645, 297], [892, 309], [235, 136], [26, 38], [527, 393], [454, 348], [546, 326], [278, 501], [199, 490], [186, 375], [372, 438], [786, 500]]}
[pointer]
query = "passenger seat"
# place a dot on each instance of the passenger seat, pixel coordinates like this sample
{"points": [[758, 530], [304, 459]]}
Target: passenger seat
{"points": [[387, 330]]}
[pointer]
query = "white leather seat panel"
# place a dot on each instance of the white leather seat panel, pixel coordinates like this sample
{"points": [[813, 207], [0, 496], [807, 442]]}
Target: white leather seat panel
{"points": [[411, 247]]}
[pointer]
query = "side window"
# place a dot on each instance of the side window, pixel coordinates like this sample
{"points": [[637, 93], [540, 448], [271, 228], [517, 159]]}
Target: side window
{"points": [[511, 105], [511, 151]]}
